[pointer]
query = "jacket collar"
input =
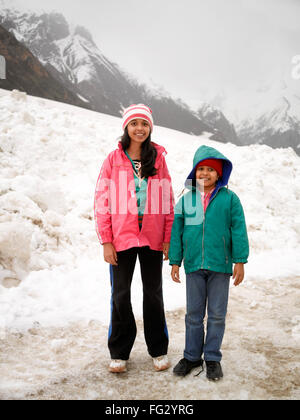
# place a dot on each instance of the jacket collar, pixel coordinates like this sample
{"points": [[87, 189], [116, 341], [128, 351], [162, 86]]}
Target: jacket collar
{"points": [[161, 151]]}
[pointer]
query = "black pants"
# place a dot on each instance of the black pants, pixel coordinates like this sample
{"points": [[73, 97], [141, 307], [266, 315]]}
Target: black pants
{"points": [[122, 330]]}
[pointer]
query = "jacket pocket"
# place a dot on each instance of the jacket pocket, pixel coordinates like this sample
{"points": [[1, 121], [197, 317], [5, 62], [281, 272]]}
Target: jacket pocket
{"points": [[225, 251]]}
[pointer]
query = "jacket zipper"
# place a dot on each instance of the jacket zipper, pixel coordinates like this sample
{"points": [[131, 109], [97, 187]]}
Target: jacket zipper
{"points": [[203, 243], [204, 230], [133, 172]]}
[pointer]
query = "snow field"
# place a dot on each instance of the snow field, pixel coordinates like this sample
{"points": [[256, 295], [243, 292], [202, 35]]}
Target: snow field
{"points": [[54, 285], [51, 156]]}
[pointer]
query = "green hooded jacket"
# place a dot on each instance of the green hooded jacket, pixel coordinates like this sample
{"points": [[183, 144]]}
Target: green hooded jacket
{"points": [[214, 240]]}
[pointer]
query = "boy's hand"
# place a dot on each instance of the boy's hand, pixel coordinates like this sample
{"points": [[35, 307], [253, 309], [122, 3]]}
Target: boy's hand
{"points": [[166, 247], [175, 273], [110, 254], [238, 273]]}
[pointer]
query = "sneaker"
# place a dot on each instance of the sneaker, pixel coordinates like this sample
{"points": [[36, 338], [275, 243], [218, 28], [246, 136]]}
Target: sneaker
{"points": [[161, 363], [117, 366], [213, 370], [185, 366]]}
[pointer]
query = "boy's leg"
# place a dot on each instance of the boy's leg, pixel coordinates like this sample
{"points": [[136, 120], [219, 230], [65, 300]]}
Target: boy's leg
{"points": [[195, 308], [122, 330], [155, 327], [217, 294]]}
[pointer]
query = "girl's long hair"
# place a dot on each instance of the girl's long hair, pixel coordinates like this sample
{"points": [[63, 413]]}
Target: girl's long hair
{"points": [[148, 154]]}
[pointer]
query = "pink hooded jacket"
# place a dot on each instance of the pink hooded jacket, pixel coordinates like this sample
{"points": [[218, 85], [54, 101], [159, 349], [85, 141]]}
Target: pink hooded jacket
{"points": [[116, 211]]}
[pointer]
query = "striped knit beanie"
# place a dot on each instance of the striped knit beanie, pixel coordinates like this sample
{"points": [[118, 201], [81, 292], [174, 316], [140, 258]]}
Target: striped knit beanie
{"points": [[137, 111]]}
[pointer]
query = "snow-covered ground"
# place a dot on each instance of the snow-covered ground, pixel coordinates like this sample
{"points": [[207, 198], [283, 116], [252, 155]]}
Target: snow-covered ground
{"points": [[52, 274]]}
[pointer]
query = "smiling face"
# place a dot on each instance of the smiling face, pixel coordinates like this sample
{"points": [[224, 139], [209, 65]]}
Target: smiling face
{"points": [[138, 130], [206, 176]]}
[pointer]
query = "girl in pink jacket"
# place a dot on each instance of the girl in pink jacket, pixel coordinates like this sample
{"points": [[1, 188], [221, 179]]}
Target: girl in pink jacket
{"points": [[134, 215]]}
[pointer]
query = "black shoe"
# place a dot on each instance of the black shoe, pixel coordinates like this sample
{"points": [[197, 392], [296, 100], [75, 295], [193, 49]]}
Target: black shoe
{"points": [[185, 366], [213, 370]]}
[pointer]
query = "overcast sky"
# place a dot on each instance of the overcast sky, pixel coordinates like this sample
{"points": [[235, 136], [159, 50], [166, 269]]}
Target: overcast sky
{"points": [[192, 45]]}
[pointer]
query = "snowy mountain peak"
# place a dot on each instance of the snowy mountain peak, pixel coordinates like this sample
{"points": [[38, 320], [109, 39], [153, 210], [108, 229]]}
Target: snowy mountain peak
{"points": [[268, 113], [70, 55], [69, 49], [35, 29], [83, 32]]}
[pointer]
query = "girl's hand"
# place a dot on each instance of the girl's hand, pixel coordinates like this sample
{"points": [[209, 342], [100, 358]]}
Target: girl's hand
{"points": [[175, 273], [166, 247], [238, 273], [110, 254]]}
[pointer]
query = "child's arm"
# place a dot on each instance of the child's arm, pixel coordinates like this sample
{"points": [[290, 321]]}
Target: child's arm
{"points": [[240, 243], [110, 254], [175, 273], [238, 273], [239, 236], [169, 206], [176, 245], [166, 247], [101, 204]]}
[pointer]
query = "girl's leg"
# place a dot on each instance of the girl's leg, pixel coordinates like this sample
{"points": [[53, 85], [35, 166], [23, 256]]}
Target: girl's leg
{"points": [[122, 330], [196, 306], [155, 327], [217, 291]]}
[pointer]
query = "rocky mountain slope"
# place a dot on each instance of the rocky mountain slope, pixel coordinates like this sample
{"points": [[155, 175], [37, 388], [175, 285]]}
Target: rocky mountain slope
{"points": [[26, 73], [214, 117], [70, 55]]}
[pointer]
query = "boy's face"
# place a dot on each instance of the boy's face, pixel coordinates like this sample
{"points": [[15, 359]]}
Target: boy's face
{"points": [[207, 176]]}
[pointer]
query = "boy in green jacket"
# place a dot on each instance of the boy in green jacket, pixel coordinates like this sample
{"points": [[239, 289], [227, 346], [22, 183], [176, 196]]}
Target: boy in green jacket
{"points": [[209, 234]]}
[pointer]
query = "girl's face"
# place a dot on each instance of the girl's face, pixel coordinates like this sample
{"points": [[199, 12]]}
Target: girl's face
{"points": [[207, 176], [138, 130]]}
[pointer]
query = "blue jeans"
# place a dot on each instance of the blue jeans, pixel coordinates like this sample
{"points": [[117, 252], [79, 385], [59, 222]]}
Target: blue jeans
{"points": [[211, 289]]}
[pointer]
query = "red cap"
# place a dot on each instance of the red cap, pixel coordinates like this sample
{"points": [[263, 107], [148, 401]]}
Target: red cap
{"points": [[216, 164]]}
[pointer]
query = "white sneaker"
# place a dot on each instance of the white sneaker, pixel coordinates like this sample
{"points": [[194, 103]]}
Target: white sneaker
{"points": [[117, 366], [161, 363]]}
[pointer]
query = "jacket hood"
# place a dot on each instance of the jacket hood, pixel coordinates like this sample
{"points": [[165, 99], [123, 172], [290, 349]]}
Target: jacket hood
{"points": [[206, 152]]}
